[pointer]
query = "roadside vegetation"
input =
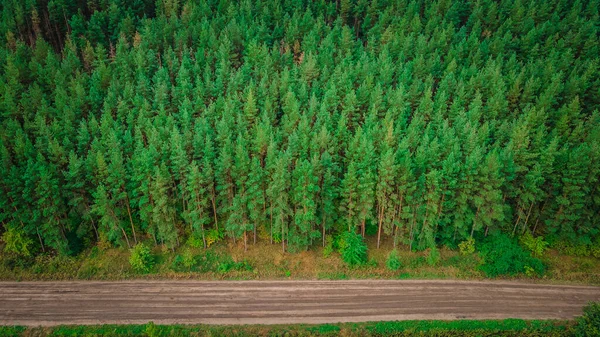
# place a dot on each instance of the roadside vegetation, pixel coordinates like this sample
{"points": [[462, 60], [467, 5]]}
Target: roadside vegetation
{"points": [[465, 328], [228, 260]]}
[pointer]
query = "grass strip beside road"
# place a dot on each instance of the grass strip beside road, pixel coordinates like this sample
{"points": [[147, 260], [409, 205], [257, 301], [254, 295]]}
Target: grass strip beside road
{"points": [[466, 328]]}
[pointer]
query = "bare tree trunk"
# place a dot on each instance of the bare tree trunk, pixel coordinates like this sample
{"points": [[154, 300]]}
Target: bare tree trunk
{"points": [[474, 221], [527, 218], [380, 220], [282, 235], [412, 223], [517, 223], [363, 226], [40, 238], [131, 221], [271, 216], [95, 229], [214, 207], [126, 238]]}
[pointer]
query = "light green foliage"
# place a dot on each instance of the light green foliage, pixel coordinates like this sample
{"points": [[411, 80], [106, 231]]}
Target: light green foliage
{"points": [[188, 259], [213, 236], [467, 247], [393, 261], [16, 242], [530, 272], [536, 246], [152, 330], [329, 246], [141, 258], [433, 256], [588, 325], [595, 249], [195, 241], [353, 249]]}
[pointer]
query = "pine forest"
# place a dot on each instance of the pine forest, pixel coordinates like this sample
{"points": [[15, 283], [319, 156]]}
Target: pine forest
{"points": [[418, 124]]}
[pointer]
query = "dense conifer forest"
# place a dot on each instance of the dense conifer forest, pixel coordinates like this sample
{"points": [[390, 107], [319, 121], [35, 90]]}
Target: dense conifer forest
{"points": [[292, 122]]}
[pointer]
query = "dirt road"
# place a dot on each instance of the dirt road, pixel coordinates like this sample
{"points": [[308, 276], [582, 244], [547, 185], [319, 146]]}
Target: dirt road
{"points": [[281, 302]]}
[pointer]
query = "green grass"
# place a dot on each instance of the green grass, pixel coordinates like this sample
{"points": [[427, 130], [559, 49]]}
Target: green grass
{"points": [[509, 327]]}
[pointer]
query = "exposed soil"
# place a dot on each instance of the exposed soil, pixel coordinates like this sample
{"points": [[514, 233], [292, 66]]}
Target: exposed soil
{"points": [[283, 302]]}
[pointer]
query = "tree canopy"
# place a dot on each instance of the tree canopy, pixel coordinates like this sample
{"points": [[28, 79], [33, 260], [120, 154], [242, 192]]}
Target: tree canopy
{"points": [[429, 121]]}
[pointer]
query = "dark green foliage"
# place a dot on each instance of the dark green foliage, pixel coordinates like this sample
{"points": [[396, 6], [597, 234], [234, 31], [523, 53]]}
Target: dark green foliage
{"points": [[12, 331], [393, 261], [588, 325], [230, 265], [425, 123], [502, 255], [353, 249]]}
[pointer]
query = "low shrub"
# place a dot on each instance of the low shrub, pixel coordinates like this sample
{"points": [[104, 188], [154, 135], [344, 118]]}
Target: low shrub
{"points": [[329, 246], [588, 325], [536, 246], [467, 247], [195, 241], [433, 257], [595, 249], [231, 265], [504, 256], [213, 236], [417, 262], [393, 261], [353, 249], [372, 263], [16, 241], [184, 262], [141, 258]]}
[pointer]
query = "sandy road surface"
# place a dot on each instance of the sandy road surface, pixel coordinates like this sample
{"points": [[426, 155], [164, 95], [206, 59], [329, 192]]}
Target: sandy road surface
{"points": [[281, 302]]}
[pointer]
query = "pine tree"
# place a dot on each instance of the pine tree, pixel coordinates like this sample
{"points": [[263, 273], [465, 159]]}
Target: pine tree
{"points": [[256, 195], [305, 188], [386, 204], [163, 214], [278, 193], [197, 213]]}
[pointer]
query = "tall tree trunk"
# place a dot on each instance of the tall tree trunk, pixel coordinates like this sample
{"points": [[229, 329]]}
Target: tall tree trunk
{"points": [[40, 238], [363, 225], [517, 223], [131, 220], [126, 238], [95, 229], [214, 207], [323, 229], [380, 220], [527, 218], [271, 216], [474, 221], [282, 235]]}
